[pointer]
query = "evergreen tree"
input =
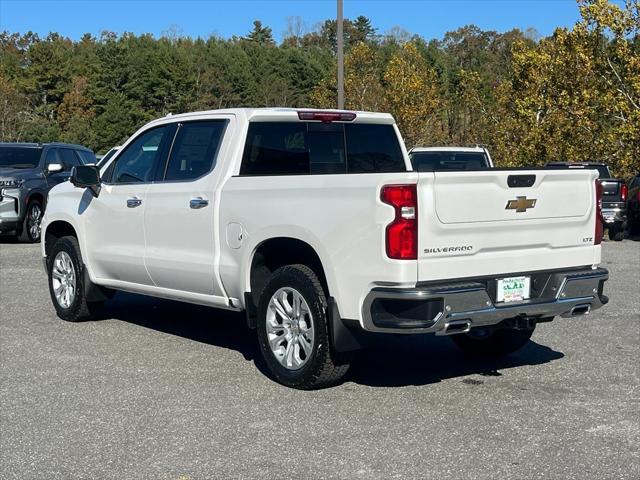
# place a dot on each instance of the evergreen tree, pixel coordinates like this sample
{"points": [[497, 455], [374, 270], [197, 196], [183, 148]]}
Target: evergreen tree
{"points": [[261, 35]]}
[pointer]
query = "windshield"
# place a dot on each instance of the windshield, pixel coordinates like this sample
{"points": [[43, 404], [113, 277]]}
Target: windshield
{"points": [[440, 161], [19, 157]]}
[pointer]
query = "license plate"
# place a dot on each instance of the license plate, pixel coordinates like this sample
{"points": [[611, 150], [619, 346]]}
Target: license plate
{"points": [[513, 289]]}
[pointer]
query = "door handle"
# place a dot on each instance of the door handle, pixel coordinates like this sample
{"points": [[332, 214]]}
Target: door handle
{"points": [[198, 202], [133, 202]]}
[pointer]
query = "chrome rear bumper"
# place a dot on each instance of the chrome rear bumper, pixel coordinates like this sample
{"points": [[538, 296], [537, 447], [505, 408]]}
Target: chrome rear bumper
{"points": [[447, 308], [614, 215]]}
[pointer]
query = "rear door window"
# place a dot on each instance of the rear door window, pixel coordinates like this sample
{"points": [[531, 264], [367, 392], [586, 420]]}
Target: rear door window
{"points": [[303, 148], [194, 150], [276, 148]]}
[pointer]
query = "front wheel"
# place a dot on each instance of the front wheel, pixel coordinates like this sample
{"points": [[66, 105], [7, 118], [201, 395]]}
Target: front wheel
{"points": [[492, 341], [31, 224], [66, 282], [293, 333]]}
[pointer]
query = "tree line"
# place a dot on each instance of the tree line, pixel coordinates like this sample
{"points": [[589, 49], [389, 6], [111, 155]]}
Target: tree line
{"points": [[574, 95]]}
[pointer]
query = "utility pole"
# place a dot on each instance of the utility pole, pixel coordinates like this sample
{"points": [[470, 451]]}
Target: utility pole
{"points": [[340, 35]]}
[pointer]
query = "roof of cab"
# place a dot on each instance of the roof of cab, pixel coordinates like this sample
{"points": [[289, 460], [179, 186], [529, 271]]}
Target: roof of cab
{"points": [[40, 145], [273, 114], [477, 148]]}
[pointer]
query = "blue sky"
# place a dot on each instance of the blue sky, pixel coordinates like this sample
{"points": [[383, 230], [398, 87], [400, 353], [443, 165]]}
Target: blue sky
{"points": [[429, 18]]}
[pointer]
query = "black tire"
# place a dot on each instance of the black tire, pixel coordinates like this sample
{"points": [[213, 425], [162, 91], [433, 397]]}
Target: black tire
{"points": [[616, 233], [79, 308], [27, 233], [492, 342], [322, 367]]}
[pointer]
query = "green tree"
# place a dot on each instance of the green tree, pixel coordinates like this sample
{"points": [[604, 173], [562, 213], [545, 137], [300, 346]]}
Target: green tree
{"points": [[261, 35]]}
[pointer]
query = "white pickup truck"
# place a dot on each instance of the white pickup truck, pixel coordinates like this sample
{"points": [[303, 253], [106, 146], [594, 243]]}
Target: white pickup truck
{"points": [[314, 223]]}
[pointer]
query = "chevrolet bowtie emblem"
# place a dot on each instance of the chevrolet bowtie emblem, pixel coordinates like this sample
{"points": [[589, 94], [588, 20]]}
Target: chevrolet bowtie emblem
{"points": [[520, 204]]}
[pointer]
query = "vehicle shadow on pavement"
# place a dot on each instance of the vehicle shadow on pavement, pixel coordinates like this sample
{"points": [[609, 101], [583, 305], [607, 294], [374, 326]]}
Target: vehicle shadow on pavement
{"points": [[198, 323], [8, 239], [426, 359], [390, 361]]}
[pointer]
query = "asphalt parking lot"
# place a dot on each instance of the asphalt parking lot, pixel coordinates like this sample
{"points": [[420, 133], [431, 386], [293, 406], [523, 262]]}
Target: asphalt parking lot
{"points": [[161, 390]]}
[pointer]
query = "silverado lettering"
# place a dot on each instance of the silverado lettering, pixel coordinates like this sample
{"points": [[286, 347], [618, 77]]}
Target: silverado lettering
{"points": [[464, 248]]}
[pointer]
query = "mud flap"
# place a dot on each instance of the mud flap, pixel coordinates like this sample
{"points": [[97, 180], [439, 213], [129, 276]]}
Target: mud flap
{"points": [[93, 292], [344, 338]]}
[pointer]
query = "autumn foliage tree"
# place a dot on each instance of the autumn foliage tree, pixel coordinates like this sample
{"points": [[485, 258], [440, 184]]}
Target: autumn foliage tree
{"points": [[412, 95]]}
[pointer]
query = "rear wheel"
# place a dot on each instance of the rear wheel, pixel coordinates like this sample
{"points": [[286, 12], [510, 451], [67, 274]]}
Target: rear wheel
{"points": [[492, 341], [293, 333], [31, 224], [66, 282], [616, 233]]}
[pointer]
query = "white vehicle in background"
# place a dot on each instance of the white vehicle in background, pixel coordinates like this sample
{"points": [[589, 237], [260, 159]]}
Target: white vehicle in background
{"points": [[437, 159], [315, 225]]}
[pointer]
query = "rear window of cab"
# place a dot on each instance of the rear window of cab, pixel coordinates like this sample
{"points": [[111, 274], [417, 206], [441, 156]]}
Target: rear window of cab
{"points": [[316, 148]]}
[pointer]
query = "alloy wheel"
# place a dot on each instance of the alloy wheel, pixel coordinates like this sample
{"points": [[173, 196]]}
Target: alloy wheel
{"points": [[63, 278], [34, 219], [290, 328]]}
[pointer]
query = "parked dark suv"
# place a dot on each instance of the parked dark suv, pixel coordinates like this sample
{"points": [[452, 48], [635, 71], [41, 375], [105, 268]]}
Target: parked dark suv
{"points": [[27, 172]]}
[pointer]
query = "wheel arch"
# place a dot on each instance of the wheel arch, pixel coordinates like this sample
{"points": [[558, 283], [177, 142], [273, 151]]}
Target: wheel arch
{"points": [[35, 195], [56, 230], [275, 252]]}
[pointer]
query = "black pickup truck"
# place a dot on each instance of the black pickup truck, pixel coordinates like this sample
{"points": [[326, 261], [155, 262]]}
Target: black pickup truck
{"points": [[614, 196]]}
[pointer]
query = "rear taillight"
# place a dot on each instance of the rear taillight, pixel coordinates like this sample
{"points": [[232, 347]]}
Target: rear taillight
{"points": [[327, 117], [402, 234], [624, 191], [599, 233]]}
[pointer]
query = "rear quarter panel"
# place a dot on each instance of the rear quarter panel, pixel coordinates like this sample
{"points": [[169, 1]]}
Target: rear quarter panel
{"points": [[340, 216]]}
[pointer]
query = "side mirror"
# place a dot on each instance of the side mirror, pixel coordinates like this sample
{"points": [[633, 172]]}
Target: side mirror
{"points": [[86, 176], [55, 168]]}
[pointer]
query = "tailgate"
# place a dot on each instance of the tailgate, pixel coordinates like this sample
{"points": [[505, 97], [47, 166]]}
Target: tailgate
{"points": [[504, 221]]}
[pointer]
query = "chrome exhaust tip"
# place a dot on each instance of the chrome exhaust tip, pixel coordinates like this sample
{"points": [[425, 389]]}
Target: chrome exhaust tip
{"points": [[580, 310], [455, 326]]}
